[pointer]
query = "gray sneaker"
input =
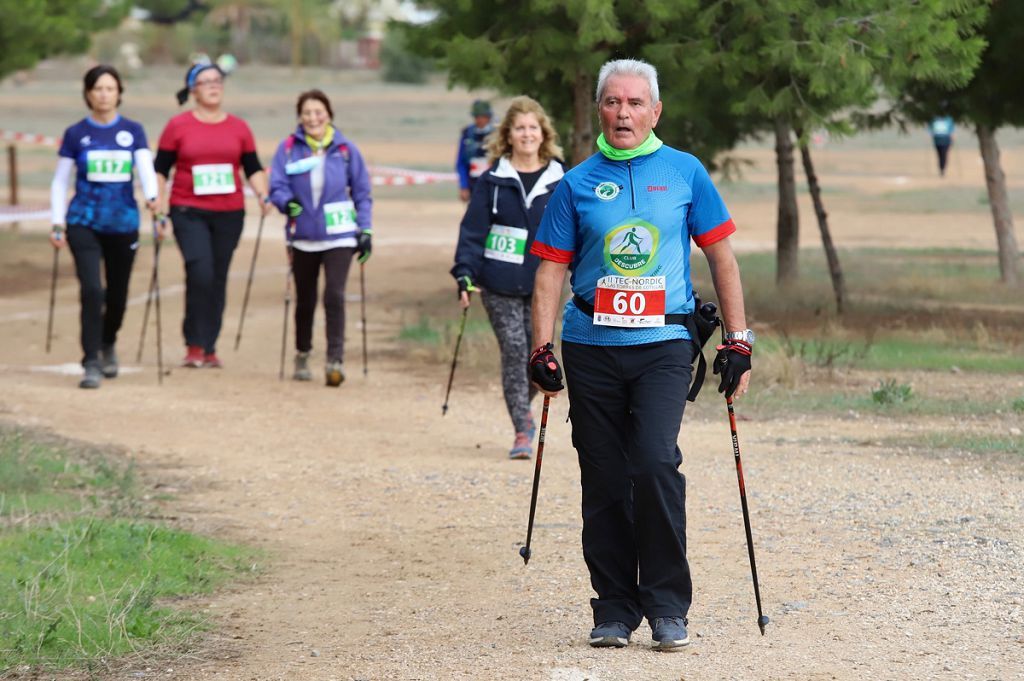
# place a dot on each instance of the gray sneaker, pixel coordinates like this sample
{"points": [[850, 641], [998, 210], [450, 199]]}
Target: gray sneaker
{"points": [[610, 635], [108, 361], [302, 372], [335, 375], [669, 633], [93, 376]]}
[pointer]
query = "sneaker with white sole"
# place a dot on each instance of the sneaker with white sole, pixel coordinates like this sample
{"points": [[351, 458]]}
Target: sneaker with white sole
{"points": [[521, 448], [93, 376], [669, 633], [334, 373], [108, 361], [610, 635], [302, 372]]}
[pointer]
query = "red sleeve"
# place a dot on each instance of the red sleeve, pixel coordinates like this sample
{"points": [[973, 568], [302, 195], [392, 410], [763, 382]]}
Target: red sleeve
{"points": [[715, 234], [169, 138], [545, 252]]}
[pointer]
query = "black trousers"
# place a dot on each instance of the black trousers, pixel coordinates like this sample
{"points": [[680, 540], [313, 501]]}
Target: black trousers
{"points": [[626, 406], [942, 146], [207, 241], [306, 270], [102, 308]]}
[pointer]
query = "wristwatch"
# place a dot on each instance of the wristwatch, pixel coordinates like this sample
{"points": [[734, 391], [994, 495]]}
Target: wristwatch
{"points": [[746, 335]]}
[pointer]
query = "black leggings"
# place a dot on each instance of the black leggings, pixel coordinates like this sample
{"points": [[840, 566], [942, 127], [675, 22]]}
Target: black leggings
{"points": [[207, 240], [102, 310], [306, 269]]}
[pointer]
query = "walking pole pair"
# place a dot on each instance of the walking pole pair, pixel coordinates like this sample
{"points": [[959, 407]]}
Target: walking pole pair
{"points": [[248, 283], [154, 293]]}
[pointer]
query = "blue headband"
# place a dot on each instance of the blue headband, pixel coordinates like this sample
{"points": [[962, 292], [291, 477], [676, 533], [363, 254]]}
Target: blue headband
{"points": [[193, 73]]}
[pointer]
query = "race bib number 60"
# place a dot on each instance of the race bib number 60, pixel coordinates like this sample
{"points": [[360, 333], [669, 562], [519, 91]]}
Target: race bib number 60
{"points": [[631, 302]]}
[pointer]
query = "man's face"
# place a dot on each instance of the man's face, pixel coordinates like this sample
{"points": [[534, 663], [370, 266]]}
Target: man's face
{"points": [[627, 116], [481, 122]]}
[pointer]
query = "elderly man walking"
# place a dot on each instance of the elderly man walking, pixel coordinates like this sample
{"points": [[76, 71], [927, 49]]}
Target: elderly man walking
{"points": [[622, 221]]}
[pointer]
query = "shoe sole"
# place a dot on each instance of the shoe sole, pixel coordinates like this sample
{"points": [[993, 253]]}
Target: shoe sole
{"points": [[670, 646], [519, 455], [89, 385], [609, 642], [192, 365], [335, 378], [109, 373], [302, 377]]}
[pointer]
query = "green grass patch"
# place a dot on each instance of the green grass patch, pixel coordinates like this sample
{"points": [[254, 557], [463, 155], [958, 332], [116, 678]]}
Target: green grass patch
{"points": [[972, 443], [83, 577], [85, 589]]}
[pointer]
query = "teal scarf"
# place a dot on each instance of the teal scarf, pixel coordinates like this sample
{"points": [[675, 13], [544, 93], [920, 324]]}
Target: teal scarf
{"points": [[648, 146]]}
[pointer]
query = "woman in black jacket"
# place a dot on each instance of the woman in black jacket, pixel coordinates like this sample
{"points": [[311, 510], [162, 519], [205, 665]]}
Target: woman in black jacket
{"points": [[493, 254]]}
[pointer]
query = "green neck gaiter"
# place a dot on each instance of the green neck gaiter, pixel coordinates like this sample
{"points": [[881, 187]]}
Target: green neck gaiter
{"points": [[648, 146]]}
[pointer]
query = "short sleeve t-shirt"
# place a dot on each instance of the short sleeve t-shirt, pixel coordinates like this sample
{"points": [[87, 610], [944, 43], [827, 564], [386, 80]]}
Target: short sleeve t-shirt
{"points": [[627, 219], [208, 158], [104, 156]]}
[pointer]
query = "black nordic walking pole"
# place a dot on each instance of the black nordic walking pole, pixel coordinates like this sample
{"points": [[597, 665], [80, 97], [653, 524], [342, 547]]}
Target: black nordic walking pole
{"points": [[149, 300], [762, 620], [455, 358], [525, 551], [362, 303], [284, 328], [159, 328], [53, 298], [248, 284]]}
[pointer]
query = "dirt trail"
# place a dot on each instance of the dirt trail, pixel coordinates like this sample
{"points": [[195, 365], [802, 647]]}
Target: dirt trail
{"points": [[392, 533]]}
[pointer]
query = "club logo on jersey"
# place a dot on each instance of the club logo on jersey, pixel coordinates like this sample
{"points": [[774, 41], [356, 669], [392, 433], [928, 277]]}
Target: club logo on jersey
{"points": [[631, 248], [606, 191], [124, 138], [85, 141]]}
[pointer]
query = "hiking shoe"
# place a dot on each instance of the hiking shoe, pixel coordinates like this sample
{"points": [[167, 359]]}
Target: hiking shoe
{"points": [[669, 633], [212, 361], [521, 448], [92, 377], [302, 372], [108, 361], [334, 373], [194, 357], [610, 635]]}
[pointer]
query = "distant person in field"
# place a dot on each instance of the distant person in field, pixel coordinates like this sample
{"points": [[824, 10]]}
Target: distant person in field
{"points": [[207, 147], [101, 225], [941, 129], [320, 182], [471, 161], [493, 254]]}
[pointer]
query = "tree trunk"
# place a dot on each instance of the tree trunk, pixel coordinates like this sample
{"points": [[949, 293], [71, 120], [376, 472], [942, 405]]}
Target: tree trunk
{"points": [[297, 34], [995, 182], [835, 270], [788, 222], [583, 117]]}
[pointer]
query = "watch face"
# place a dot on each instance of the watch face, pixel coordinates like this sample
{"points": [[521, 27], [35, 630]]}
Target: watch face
{"points": [[746, 335]]}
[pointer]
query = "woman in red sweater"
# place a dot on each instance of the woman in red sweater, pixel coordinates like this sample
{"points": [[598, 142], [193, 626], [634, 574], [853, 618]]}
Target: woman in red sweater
{"points": [[207, 147]]}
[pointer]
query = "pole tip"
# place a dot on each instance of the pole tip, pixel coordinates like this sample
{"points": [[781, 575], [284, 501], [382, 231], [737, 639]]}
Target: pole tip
{"points": [[762, 622], [444, 409], [525, 553]]}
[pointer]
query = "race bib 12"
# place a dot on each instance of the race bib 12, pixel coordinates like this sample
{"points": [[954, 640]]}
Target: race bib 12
{"points": [[340, 217]]}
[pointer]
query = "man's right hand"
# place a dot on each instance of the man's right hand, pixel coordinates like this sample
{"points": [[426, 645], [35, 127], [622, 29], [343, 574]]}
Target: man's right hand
{"points": [[545, 372], [57, 236]]}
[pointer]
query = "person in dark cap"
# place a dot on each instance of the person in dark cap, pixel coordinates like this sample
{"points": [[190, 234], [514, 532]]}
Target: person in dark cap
{"points": [[207, 147], [471, 162]]}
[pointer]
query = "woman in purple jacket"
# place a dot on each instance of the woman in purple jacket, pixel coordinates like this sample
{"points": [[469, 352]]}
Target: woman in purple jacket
{"points": [[319, 180]]}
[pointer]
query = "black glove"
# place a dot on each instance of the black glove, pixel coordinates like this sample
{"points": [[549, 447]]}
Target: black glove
{"points": [[544, 369], [294, 208], [465, 283], [732, 361], [364, 245]]}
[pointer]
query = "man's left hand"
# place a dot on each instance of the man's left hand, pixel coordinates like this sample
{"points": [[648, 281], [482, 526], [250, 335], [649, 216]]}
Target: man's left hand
{"points": [[733, 363]]}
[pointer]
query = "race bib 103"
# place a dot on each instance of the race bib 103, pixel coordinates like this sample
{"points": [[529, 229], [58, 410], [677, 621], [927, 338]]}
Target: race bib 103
{"points": [[507, 244]]}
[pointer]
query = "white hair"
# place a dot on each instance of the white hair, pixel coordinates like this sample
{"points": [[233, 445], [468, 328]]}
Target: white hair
{"points": [[628, 67]]}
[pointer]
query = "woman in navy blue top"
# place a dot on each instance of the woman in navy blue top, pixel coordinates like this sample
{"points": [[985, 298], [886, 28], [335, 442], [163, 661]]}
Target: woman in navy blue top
{"points": [[101, 224]]}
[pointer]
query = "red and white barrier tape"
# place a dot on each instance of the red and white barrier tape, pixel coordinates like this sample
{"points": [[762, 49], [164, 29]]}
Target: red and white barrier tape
{"points": [[379, 175]]}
